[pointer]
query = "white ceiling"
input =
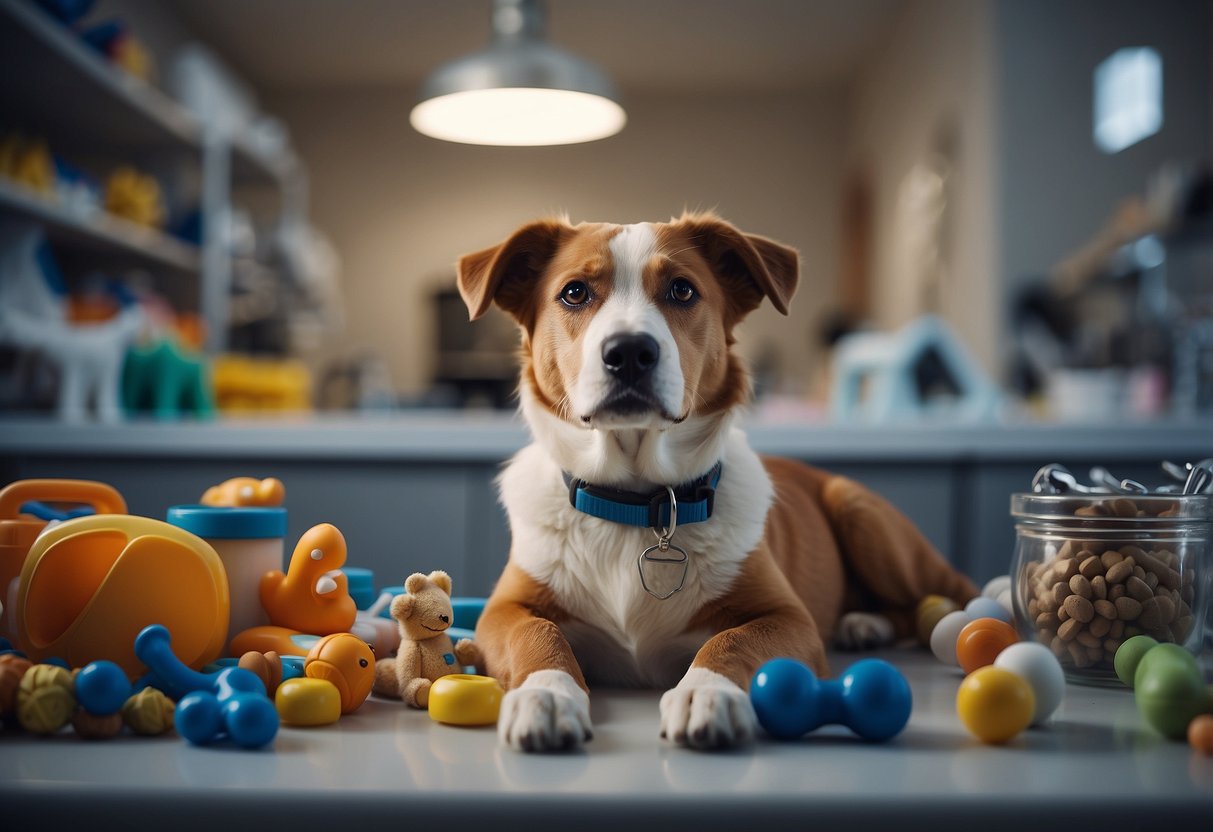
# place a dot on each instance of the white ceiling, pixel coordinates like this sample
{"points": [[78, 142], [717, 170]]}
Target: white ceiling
{"points": [[646, 45]]}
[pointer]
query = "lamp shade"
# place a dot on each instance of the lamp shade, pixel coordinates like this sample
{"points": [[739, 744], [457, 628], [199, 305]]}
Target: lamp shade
{"points": [[520, 90]]}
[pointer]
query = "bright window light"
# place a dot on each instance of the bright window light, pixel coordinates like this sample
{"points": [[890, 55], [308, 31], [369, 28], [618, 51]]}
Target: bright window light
{"points": [[1128, 98]]}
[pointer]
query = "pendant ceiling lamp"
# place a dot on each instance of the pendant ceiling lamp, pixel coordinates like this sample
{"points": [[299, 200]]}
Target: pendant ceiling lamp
{"points": [[520, 90]]}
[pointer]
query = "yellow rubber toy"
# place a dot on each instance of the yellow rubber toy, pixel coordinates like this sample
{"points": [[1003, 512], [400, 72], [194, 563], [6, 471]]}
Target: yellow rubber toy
{"points": [[464, 699], [90, 585], [306, 702]]}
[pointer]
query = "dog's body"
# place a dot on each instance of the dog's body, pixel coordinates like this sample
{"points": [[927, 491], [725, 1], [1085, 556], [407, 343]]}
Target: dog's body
{"points": [[629, 382]]}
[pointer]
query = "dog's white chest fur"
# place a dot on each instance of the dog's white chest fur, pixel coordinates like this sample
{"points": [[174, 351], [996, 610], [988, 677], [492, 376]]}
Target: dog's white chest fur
{"points": [[620, 634]]}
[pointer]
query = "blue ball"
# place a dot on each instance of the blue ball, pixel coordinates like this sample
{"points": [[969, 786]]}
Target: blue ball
{"points": [[102, 688], [198, 718], [876, 698], [57, 662], [251, 719], [782, 693], [981, 607]]}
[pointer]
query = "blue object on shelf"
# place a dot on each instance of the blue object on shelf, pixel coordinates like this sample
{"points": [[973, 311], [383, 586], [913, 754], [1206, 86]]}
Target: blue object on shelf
{"points": [[361, 585]]}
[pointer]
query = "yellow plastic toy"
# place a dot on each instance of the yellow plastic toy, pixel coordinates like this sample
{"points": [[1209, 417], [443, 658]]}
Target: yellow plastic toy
{"points": [[245, 491], [90, 585], [134, 196], [464, 699], [348, 663], [18, 531], [307, 702]]}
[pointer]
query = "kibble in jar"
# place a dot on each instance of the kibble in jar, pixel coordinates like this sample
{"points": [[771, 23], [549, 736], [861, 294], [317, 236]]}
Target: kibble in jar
{"points": [[1092, 571]]}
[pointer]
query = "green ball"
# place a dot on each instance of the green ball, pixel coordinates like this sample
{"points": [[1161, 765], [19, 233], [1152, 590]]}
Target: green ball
{"points": [[1128, 656], [1170, 690]]}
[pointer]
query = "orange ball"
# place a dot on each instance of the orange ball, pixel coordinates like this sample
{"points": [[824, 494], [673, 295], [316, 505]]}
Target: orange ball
{"points": [[1200, 734], [980, 642]]}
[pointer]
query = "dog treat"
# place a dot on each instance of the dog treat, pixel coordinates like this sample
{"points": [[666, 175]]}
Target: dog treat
{"points": [[95, 727], [45, 702], [149, 712], [1092, 595]]}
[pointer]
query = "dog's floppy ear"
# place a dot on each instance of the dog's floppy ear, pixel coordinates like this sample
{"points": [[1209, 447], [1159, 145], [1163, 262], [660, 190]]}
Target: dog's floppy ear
{"points": [[756, 266], [507, 272]]}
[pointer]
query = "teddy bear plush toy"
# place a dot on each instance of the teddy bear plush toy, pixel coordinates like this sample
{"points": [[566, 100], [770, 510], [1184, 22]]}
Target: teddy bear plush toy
{"points": [[426, 653]]}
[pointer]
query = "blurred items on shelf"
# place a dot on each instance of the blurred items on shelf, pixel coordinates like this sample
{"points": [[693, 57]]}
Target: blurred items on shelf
{"points": [[1123, 328], [477, 366], [165, 379], [130, 194], [246, 384], [224, 103], [134, 196], [27, 161], [920, 372], [360, 382], [112, 38], [34, 318]]}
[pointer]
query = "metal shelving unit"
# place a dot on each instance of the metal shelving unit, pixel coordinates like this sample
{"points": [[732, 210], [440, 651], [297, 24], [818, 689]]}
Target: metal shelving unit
{"points": [[71, 95], [99, 231]]}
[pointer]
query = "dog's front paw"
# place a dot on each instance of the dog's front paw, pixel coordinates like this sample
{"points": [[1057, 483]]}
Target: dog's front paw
{"points": [[863, 631], [548, 712], [706, 710]]}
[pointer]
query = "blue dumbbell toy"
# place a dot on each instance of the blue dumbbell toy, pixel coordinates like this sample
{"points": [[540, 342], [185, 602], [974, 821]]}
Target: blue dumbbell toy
{"points": [[872, 699], [230, 702]]}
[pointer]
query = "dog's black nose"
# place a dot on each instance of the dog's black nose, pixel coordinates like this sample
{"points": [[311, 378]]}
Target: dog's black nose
{"points": [[445, 619], [630, 357]]}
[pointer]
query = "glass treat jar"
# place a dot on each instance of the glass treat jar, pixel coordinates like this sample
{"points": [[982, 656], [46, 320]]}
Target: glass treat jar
{"points": [[1092, 570]]}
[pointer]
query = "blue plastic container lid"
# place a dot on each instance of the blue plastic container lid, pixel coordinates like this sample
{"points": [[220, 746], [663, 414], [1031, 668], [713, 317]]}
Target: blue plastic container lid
{"points": [[222, 523]]}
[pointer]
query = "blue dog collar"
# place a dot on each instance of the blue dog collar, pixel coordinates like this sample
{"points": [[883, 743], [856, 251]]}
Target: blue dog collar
{"points": [[647, 511]]}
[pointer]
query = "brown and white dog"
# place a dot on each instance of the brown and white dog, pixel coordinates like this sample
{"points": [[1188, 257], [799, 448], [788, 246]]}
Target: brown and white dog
{"points": [[629, 382]]}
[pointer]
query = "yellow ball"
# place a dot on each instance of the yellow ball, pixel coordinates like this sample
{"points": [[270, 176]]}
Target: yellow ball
{"points": [[995, 704], [308, 702], [930, 610]]}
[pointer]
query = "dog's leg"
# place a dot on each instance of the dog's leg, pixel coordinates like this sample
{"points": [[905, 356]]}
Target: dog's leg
{"points": [[891, 558], [547, 703], [758, 620]]}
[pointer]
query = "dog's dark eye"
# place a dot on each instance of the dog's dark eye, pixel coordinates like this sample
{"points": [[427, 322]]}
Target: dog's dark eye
{"points": [[681, 291], [574, 293]]}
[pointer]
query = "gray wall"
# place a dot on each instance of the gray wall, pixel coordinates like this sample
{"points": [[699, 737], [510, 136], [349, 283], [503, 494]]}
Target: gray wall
{"points": [[1057, 188]]}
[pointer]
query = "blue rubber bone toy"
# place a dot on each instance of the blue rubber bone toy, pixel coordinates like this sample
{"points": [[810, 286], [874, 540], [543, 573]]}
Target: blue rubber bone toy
{"points": [[229, 703], [872, 699]]}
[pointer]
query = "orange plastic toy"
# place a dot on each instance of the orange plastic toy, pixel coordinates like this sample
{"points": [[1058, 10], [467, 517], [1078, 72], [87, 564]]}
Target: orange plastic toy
{"points": [[90, 585], [311, 599], [313, 595], [18, 531], [245, 491], [980, 642], [348, 662]]}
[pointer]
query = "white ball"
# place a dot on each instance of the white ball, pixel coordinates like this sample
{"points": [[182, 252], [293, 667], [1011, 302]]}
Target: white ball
{"points": [[981, 607], [943, 637], [1041, 670], [1004, 598], [996, 586]]}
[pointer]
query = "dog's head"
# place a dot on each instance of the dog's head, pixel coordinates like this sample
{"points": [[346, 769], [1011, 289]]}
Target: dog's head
{"points": [[630, 326]]}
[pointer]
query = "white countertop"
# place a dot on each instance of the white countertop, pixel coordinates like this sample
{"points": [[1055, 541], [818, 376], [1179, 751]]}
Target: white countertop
{"points": [[389, 764], [457, 436]]}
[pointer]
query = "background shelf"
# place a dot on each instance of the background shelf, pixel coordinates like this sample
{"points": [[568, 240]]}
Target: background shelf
{"points": [[98, 230], [75, 97]]}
